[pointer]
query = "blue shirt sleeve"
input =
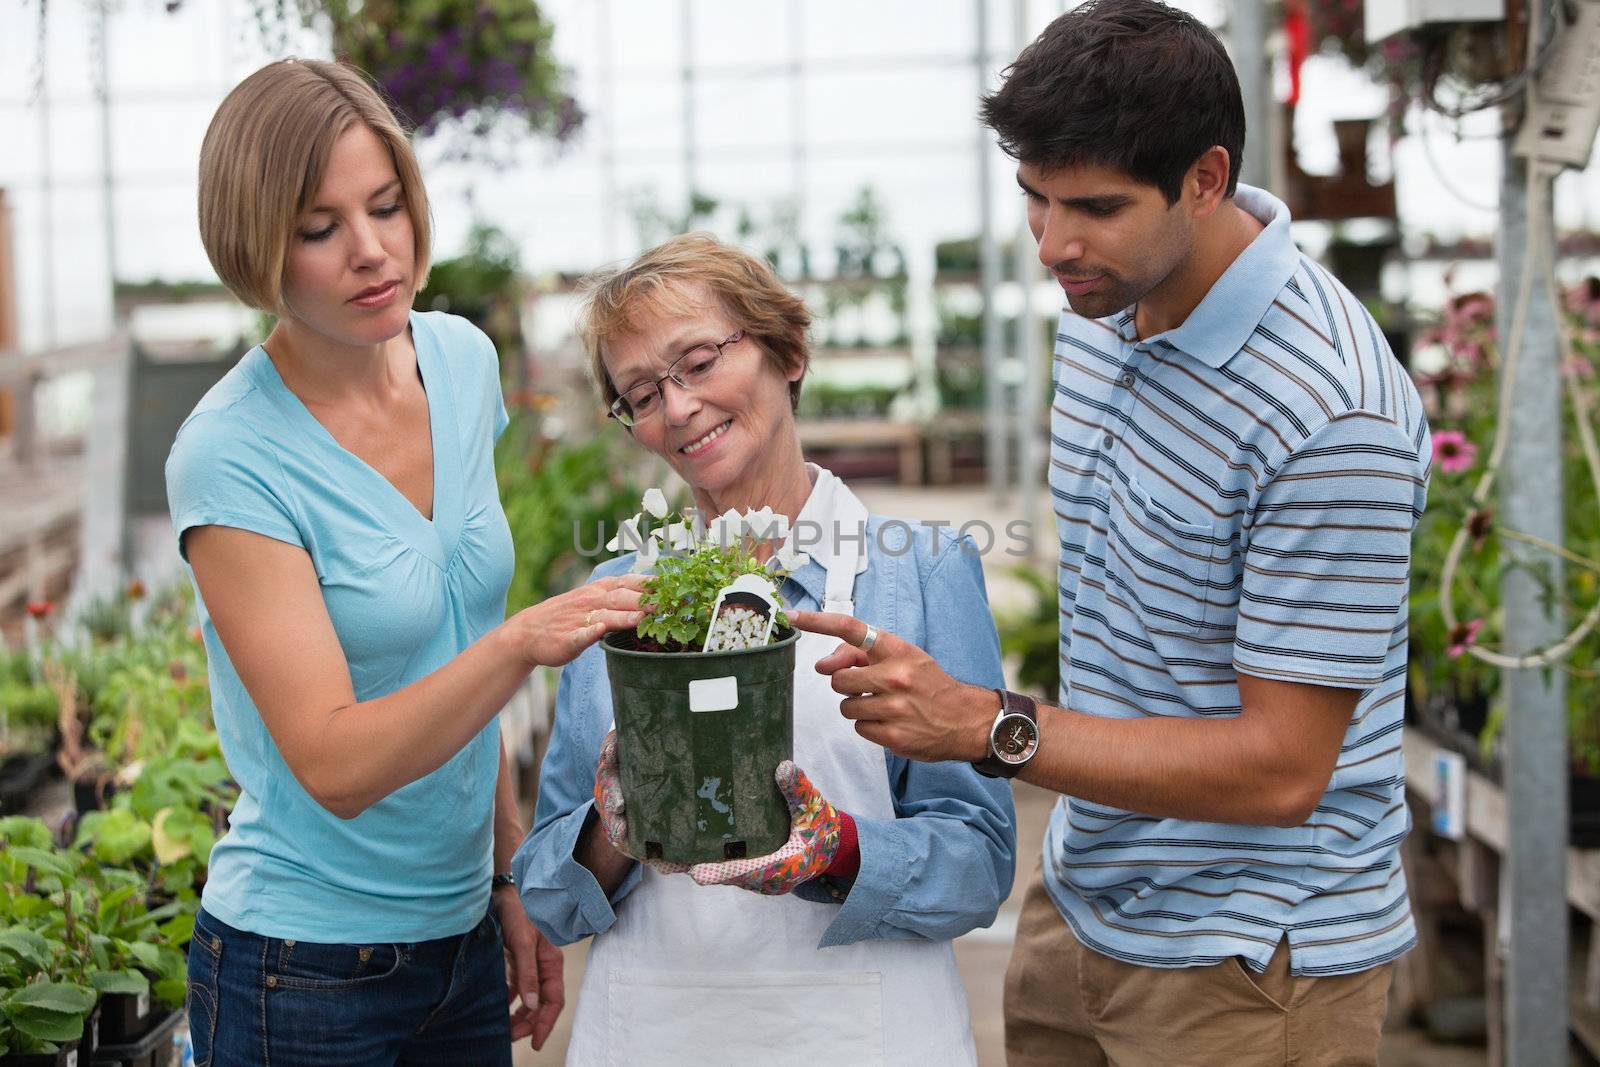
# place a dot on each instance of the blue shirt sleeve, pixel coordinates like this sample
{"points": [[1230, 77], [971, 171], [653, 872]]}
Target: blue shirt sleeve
{"points": [[560, 895], [219, 473], [944, 865]]}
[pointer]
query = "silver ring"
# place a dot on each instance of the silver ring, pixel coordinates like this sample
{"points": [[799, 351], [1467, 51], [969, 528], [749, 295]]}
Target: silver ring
{"points": [[871, 639]]}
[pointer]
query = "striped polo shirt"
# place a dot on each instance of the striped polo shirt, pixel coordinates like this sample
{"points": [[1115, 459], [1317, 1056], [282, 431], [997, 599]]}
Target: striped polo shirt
{"points": [[1237, 495]]}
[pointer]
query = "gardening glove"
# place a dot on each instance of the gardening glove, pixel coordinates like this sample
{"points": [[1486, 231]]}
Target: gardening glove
{"points": [[815, 832], [613, 812]]}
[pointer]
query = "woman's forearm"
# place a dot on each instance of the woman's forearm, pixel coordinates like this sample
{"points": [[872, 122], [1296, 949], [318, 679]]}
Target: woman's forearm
{"points": [[366, 750]]}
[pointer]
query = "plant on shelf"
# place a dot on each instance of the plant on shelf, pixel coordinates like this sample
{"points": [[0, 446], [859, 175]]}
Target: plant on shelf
{"points": [[1457, 363], [165, 824]]}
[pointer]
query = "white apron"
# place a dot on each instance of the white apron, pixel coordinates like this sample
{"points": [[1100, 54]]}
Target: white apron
{"points": [[712, 975]]}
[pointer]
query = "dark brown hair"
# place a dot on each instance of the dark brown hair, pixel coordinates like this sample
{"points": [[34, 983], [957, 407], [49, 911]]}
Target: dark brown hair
{"points": [[1134, 85]]}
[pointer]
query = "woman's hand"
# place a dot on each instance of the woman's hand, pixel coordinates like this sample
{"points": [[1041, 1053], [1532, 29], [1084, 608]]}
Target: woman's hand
{"points": [[814, 826], [533, 972], [554, 631]]}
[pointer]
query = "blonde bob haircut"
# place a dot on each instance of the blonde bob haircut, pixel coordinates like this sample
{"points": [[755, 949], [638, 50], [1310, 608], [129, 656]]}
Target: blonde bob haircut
{"points": [[264, 157], [745, 287]]}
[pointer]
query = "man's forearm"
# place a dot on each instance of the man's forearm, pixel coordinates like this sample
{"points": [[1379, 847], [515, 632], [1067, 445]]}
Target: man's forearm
{"points": [[1199, 770]]}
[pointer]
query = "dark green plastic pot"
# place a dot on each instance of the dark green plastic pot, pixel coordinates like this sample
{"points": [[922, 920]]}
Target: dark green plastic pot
{"points": [[698, 783]]}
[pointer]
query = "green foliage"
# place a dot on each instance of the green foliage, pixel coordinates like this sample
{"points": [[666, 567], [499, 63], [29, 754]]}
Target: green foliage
{"points": [[1034, 635], [555, 495], [484, 285], [823, 400], [679, 596], [1460, 388], [73, 929]]}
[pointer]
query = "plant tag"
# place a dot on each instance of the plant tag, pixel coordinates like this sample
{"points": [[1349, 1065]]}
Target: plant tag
{"points": [[742, 616], [72, 1059], [714, 694], [141, 1006], [1449, 795]]}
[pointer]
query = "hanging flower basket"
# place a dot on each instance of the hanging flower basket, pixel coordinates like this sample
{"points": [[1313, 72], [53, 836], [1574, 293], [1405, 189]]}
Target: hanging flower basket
{"points": [[472, 64]]}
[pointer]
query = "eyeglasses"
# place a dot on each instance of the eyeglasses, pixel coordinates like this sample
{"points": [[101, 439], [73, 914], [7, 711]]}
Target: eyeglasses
{"points": [[689, 371]]}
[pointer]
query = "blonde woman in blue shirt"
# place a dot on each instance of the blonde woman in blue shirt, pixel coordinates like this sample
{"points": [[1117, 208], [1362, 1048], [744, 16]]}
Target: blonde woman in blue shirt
{"points": [[334, 497]]}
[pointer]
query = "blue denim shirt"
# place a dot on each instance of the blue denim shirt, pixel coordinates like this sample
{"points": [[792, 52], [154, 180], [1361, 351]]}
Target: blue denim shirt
{"points": [[937, 870]]}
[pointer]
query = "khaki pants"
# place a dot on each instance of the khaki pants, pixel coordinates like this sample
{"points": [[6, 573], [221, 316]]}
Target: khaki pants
{"points": [[1066, 1005]]}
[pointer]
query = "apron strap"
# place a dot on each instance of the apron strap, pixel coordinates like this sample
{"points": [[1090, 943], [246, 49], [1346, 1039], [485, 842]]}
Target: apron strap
{"points": [[850, 534]]}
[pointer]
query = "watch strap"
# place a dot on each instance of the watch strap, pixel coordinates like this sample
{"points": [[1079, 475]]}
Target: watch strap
{"points": [[992, 765]]}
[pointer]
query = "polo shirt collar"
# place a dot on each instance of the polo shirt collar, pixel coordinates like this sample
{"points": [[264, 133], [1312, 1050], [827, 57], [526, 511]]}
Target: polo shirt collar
{"points": [[1229, 313]]}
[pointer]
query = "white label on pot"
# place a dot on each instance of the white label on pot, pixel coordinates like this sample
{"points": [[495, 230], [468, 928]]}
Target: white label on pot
{"points": [[141, 1007], [72, 1058], [714, 694]]}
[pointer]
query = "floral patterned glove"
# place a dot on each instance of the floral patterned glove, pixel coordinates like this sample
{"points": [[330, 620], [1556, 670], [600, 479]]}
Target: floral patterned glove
{"points": [[613, 812], [814, 827]]}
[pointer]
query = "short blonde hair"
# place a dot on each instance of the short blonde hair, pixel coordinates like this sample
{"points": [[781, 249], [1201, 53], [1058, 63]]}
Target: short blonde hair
{"points": [[745, 287], [264, 157]]}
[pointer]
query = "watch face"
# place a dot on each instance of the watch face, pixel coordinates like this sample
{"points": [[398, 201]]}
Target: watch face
{"points": [[1015, 738]]}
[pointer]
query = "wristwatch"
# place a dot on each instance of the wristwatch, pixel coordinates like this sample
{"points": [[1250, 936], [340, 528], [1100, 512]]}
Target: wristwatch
{"points": [[501, 878], [1014, 737]]}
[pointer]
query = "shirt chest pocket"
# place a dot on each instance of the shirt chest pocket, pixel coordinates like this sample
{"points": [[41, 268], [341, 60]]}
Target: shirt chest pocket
{"points": [[1169, 570]]}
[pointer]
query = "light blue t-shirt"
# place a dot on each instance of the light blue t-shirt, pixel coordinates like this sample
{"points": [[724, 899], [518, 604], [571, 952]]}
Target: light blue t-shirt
{"points": [[406, 596]]}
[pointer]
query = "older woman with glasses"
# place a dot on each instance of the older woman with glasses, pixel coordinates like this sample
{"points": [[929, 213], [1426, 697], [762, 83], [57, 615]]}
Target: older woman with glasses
{"points": [[837, 949]]}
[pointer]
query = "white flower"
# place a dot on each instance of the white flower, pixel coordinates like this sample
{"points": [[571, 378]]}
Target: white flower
{"points": [[678, 537], [790, 558], [627, 536], [727, 529], [649, 552], [766, 525], [655, 502]]}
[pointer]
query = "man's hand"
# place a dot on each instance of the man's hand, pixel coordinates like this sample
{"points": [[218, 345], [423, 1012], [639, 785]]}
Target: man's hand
{"points": [[899, 697], [533, 971]]}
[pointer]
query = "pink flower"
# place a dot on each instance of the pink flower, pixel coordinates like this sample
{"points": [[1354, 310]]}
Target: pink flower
{"points": [[1453, 451], [40, 608], [1463, 635]]}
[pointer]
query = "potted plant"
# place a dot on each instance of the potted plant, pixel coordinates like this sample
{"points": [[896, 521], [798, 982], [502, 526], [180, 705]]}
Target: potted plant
{"points": [[28, 710], [700, 733], [1454, 695]]}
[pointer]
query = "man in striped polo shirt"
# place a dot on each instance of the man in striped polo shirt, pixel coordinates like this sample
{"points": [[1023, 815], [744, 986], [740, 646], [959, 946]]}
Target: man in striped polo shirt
{"points": [[1237, 463]]}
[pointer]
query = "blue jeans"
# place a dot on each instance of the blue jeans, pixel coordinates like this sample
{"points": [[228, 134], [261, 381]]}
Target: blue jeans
{"points": [[268, 1002]]}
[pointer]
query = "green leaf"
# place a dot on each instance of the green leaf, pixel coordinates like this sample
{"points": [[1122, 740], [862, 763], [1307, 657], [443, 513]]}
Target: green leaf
{"points": [[60, 997], [178, 930], [131, 982], [147, 954], [26, 945], [170, 992], [50, 1025], [42, 860]]}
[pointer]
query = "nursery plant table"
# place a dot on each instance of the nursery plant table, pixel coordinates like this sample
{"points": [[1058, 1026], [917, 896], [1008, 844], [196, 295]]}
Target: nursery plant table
{"points": [[1477, 856]]}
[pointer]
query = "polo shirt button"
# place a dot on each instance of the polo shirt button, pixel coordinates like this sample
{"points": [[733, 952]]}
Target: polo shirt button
{"points": [[1108, 440]]}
